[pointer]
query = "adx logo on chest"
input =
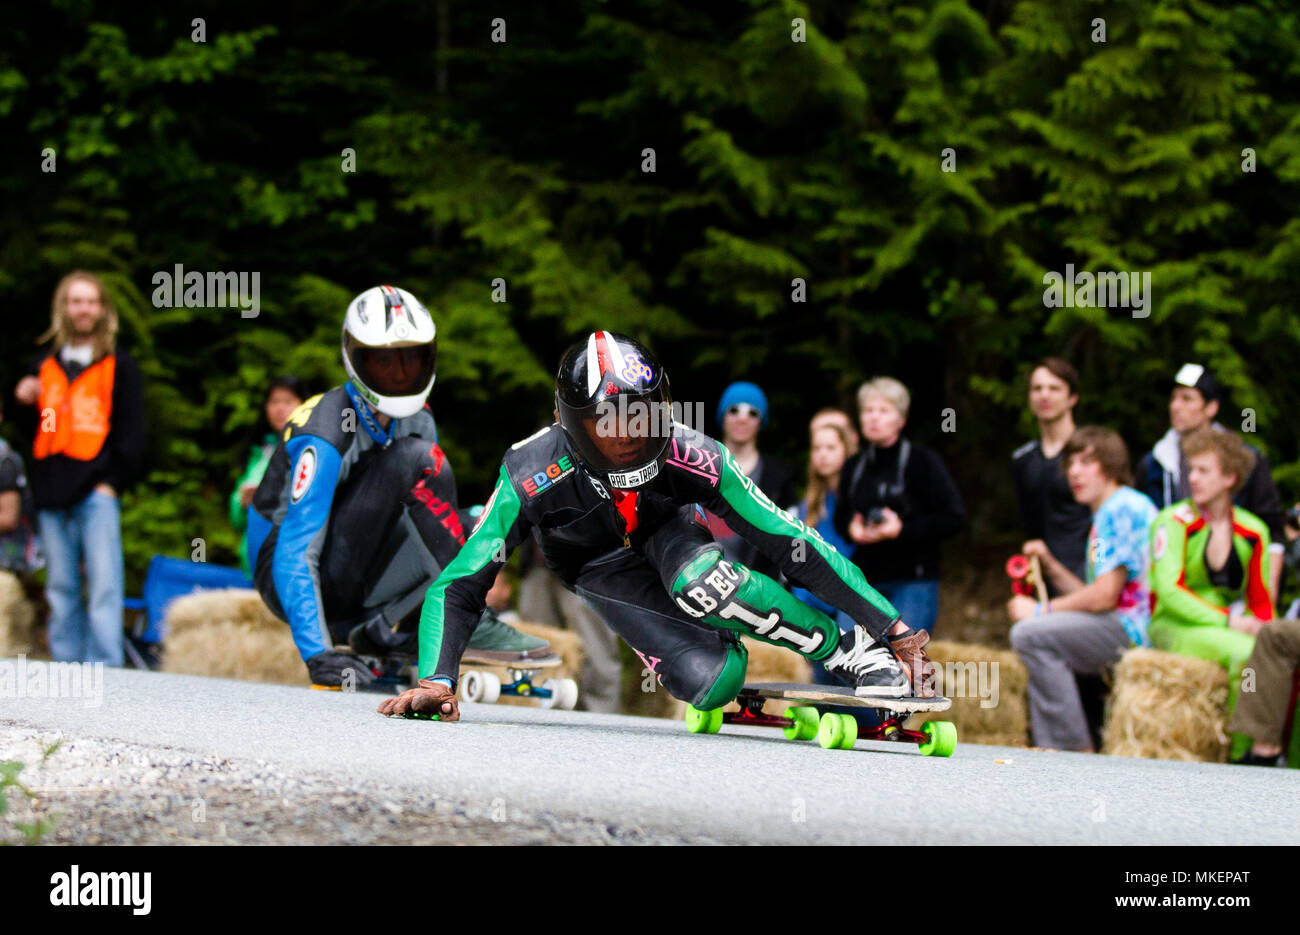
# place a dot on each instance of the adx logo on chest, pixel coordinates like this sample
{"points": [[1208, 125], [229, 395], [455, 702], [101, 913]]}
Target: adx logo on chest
{"points": [[544, 479], [694, 459]]}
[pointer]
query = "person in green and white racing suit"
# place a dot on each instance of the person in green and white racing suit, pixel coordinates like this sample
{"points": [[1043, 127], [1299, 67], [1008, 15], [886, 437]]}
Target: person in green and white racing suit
{"points": [[613, 491]]}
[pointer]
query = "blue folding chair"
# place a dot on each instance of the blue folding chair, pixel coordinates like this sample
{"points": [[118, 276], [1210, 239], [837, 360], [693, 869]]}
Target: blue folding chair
{"points": [[167, 579]]}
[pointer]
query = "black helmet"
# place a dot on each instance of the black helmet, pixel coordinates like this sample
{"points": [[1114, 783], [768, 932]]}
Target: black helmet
{"points": [[613, 402]]}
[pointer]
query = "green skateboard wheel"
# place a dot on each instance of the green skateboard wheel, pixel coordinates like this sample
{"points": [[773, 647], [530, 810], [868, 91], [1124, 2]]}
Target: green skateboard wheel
{"points": [[703, 722], [837, 731], [943, 738], [805, 723], [850, 732]]}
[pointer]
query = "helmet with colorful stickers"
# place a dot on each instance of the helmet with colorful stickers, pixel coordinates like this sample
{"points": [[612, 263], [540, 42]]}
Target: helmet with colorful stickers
{"points": [[390, 350], [613, 402]]}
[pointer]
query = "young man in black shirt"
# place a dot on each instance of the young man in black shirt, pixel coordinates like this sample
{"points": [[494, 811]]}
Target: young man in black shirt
{"points": [[1048, 511]]}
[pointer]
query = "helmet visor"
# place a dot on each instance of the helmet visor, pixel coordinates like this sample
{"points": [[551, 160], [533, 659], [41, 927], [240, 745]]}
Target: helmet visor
{"points": [[393, 371], [622, 434]]}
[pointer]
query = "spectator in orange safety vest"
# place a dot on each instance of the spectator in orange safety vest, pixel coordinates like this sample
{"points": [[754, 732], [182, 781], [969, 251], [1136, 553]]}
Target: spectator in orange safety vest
{"points": [[89, 445]]}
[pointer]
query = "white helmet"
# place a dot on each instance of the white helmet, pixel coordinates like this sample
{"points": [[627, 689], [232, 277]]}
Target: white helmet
{"points": [[390, 349]]}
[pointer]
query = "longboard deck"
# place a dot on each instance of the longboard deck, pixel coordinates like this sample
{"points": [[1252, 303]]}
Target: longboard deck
{"points": [[540, 662], [833, 694], [401, 660]]}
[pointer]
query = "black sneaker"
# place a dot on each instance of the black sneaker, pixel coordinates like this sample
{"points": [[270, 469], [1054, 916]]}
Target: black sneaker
{"points": [[1251, 759], [868, 666]]}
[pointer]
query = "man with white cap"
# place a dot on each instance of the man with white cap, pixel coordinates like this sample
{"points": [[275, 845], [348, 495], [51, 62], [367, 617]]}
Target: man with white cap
{"points": [[1194, 400]]}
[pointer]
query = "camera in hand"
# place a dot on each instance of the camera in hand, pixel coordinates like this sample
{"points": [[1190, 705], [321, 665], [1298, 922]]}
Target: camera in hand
{"points": [[1293, 517], [875, 516]]}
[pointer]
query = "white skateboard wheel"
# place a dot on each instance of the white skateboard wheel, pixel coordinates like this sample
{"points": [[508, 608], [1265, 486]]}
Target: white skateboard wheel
{"points": [[480, 686], [564, 694]]}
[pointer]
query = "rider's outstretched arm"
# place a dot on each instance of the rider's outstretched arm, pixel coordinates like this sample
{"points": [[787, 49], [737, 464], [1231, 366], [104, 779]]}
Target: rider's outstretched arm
{"points": [[455, 602], [801, 553]]}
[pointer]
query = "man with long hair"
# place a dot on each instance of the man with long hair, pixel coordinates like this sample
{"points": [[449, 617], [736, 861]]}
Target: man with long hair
{"points": [[88, 450]]}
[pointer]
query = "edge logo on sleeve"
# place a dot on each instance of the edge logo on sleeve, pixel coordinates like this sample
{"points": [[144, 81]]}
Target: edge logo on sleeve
{"points": [[304, 472], [542, 480]]}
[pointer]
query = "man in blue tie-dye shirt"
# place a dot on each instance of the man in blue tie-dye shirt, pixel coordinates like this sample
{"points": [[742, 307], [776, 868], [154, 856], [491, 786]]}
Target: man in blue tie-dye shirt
{"points": [[1094, 620]]}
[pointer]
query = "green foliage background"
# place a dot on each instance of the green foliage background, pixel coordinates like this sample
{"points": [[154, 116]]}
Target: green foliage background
{"points": [[774, 159]]}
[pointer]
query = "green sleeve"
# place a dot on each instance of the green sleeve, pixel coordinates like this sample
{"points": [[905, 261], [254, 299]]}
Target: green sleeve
{"points": [[1173, 597], [455, 601], [800, 552]]}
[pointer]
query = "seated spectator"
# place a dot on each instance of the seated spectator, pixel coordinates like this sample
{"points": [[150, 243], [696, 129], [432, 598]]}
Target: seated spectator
{"points": [[1261, 714], [896, 503], [1194, 400], [1096, 619], [19, 547], [1209, 554], [742, 411], [284, 394], [1048, 511], [833, 441]]}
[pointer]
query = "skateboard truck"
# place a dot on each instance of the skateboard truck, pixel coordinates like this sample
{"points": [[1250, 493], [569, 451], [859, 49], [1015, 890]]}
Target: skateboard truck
{"points": [[486, 687]]}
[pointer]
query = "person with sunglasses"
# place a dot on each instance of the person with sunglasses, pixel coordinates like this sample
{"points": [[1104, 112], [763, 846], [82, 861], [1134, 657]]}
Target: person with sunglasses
{"points": [[742, 412]]}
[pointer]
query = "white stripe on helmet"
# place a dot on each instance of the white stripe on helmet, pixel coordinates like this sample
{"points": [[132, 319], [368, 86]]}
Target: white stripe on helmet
{"points": [[593, 366]]}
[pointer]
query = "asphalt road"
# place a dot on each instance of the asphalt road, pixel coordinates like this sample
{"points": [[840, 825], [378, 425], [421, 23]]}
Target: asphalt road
{"points": [[743, 785]]}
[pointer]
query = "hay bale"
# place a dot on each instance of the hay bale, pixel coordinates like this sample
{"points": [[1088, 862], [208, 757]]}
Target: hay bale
{"points": [[1166, 706], [17, 616], [239, 605], [230, 633], [233, 650], [973, 676]]}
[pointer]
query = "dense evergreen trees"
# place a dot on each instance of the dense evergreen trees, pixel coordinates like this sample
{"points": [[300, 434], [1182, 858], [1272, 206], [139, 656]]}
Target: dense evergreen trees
{"points": [[774, 160]]}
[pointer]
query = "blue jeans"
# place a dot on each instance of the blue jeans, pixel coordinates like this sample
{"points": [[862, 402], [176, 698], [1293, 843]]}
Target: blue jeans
{"points": [[89, 532], [916, 601]]}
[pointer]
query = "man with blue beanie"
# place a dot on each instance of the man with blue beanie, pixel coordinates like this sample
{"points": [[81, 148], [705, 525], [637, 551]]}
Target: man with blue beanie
{"points": [[742, 411]]}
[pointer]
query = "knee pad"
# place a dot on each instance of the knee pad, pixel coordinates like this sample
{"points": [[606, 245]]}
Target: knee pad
{"points": [[706, 678], [721, 593]]}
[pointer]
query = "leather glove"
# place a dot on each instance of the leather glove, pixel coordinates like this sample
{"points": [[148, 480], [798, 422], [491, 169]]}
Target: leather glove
{"points": [[330, 668], [430, 698], [909, 647]]}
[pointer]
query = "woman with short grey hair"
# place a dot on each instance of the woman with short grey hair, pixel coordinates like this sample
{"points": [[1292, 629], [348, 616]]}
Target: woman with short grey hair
{"points": [[896, 503]]}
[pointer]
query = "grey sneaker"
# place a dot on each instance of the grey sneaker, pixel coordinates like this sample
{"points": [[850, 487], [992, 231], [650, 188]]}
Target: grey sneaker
{"points": [[868, 666], [495, 641]]}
